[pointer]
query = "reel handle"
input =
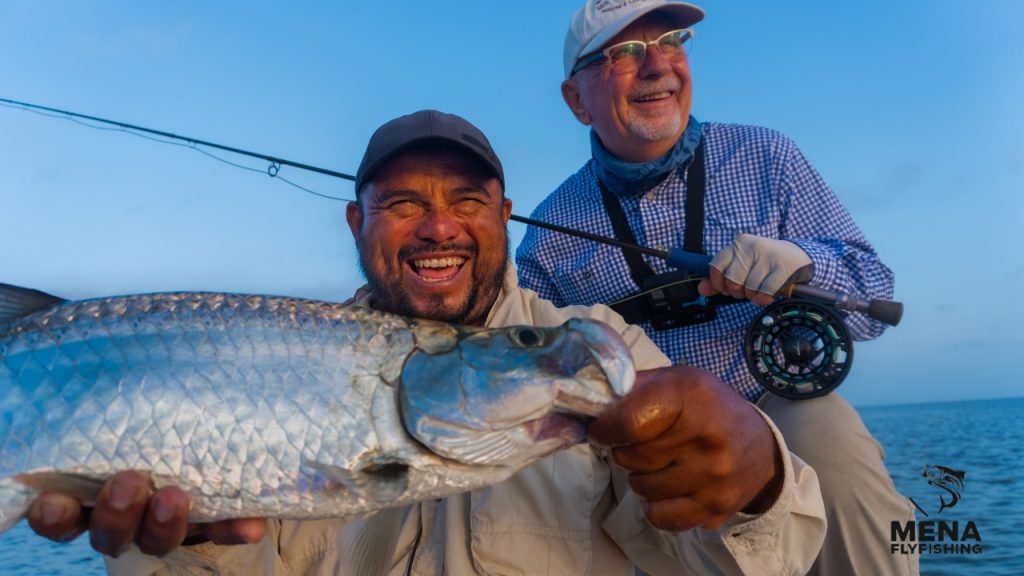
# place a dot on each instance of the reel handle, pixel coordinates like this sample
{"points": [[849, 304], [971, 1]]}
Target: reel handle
{"points": [[887, 311]]}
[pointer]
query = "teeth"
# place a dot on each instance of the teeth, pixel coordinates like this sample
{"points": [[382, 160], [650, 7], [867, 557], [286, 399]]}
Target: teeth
{"points": [[650, 97], [439, 262]]}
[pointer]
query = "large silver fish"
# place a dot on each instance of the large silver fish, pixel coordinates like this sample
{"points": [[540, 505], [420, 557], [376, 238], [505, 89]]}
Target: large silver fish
{"points": [[280, 407]]}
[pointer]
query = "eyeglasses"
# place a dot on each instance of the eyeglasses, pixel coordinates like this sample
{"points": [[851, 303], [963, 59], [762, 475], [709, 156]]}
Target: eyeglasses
{"points": [[627, 57]]}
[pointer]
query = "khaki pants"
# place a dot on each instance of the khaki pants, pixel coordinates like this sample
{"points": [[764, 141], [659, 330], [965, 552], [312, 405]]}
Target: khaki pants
{"points": [[860, 498]]}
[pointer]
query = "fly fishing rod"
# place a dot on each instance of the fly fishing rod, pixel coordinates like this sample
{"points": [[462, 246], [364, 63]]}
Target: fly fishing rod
{"points": [[275, 162], [796, 347]]}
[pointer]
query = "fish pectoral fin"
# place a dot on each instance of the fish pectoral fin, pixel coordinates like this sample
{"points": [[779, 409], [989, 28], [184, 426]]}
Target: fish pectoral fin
{"points": [[380, 480], [16, 302], [82, 488], [510, 447]]}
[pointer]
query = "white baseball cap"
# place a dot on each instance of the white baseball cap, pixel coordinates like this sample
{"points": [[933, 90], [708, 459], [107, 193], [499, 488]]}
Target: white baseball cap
{"points": [[598, 21]]}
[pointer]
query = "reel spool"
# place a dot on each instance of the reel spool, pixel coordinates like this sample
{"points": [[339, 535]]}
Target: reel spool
{"points": [[798, 349]]}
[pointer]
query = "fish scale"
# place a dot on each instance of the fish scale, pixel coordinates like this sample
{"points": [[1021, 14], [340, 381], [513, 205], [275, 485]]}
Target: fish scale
{"points": [[281, 407]]}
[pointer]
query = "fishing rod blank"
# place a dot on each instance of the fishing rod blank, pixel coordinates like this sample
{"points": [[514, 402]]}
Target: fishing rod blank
{"points": [[192, 141]]}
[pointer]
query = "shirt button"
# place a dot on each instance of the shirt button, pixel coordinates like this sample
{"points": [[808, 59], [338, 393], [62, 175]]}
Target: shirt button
{"points": [[649, 196]]}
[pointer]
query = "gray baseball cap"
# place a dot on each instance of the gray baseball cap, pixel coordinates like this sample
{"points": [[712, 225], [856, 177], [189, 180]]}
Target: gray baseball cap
{"points": [[426, 126], [598, 21]]}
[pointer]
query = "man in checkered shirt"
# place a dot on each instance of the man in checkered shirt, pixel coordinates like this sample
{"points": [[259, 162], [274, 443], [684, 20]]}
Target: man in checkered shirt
{"points": [[769, 219]]}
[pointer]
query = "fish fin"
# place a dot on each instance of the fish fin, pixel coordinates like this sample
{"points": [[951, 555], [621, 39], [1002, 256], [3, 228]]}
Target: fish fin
{"points": [[382, 480], [493, 448], [15, 499], [478, 447], [16, 302], [82, 488]]}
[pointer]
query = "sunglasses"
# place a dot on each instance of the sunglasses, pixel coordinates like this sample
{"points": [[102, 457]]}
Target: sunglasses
{"points": [[627, 57]]}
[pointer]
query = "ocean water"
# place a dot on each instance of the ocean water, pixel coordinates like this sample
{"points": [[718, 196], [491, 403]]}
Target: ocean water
{"points": [[984, 439]]}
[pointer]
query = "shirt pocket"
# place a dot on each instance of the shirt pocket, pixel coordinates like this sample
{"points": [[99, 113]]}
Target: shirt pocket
{"points": [[538, 521], [598, 275], [723, 224]]}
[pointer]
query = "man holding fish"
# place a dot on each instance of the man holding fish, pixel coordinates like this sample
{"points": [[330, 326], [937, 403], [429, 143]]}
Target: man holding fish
{"points": [[681, 474]]}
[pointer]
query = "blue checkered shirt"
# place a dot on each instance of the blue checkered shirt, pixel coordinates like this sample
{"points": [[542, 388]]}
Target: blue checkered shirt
{"points": [[756, 182]]}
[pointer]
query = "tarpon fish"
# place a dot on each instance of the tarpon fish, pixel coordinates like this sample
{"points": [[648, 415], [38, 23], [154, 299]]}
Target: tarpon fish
{"points": [[264, 406]]}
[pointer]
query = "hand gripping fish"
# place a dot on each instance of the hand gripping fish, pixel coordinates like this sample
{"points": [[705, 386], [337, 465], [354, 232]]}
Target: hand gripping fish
{"points": [[262, 406]]}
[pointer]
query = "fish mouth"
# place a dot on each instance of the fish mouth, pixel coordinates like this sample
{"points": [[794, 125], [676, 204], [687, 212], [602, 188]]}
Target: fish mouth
{"points": [[563, 429], [571, 402], [603, 375], [607, 348]]}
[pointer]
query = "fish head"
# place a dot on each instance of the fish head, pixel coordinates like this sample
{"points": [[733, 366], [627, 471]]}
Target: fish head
{"points": [[508, 396]]}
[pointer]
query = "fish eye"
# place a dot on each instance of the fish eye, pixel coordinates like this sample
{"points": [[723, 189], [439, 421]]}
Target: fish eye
{"points": [[528, 337]]}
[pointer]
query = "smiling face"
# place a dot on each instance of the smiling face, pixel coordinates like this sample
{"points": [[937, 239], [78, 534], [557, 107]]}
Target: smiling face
{"points": [[637, 116], [430, 229]]}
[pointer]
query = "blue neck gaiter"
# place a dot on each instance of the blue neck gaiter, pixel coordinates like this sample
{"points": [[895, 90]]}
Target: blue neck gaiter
{"points": [[629, 178]]}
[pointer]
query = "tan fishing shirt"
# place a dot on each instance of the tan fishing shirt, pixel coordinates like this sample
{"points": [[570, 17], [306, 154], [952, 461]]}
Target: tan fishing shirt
{"points": [[568, 514]]}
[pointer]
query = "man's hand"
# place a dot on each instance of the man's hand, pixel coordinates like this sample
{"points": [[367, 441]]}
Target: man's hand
{"points": [[694, 449], [127, 511], [756, 269]]}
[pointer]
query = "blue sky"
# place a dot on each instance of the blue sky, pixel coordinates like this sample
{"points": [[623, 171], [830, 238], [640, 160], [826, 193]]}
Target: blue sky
{"points": [[911, 110]]}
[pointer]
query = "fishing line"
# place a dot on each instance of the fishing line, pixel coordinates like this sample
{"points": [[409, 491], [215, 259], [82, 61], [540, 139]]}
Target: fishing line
{"points": [[272, 170], [652, 290], [57, 116]]}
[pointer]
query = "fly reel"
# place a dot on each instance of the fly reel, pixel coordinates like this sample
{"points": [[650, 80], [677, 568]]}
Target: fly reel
{"points": [[798, 349]]}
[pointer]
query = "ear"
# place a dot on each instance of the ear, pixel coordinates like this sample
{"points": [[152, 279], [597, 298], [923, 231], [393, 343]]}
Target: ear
{"points": [[506, 209], [354, 215], [574, 99]]}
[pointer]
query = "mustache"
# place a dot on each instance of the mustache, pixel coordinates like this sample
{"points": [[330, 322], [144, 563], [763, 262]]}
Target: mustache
{"points": [[646, 87], [408, 252]]}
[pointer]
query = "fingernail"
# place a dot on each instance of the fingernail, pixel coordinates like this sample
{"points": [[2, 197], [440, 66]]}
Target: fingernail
{"points": [[162, 511], [52, 513], [122, 494]]}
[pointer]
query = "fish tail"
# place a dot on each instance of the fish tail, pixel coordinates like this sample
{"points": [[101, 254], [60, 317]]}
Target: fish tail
{"points": [[16, 301], [15, 500], [952, 501]]}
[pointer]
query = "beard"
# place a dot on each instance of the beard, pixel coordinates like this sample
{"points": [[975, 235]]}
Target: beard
{"points": [[655, 129], [390, 295], [660, 128]]}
